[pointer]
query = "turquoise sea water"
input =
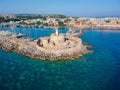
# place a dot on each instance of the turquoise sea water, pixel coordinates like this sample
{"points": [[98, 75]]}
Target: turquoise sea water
{"points": [[97, 71]]}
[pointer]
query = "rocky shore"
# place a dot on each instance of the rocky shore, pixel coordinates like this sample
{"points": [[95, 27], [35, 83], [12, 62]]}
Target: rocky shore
{"points": [[31, 49], [97, 27]]}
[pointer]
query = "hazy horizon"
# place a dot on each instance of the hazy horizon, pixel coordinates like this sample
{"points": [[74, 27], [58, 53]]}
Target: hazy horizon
{"points": [[76, 8], [68, 15]]}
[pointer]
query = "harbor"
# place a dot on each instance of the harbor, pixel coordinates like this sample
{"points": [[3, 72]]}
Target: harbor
{"points": [[26, 72], [60, 45], [57, 47]]}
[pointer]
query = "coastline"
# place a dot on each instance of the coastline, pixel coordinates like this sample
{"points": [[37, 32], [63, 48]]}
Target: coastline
{"points": [[29, 48], [98, 27]]}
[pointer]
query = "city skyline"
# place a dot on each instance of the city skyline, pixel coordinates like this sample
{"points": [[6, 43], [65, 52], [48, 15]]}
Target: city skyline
{"points": [[79, 8]]}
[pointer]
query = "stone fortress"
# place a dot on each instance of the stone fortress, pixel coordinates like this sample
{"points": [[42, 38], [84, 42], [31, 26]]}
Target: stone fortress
{"points": [[56, 47], [58, 41]]}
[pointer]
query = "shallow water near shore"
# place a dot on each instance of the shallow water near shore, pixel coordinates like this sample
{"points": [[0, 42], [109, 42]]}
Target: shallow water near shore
{"points": [[97, 71]]}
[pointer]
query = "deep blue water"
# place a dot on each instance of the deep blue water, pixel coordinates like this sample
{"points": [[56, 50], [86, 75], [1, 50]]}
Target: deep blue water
{"points": [[97, 71], [33, 32]]}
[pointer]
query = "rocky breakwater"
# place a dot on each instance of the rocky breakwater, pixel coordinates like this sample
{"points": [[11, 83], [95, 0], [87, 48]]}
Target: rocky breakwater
{"points": [[51, 48]]}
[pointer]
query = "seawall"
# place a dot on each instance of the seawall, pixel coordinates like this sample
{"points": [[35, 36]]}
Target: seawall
{"points": [[29, 48]]}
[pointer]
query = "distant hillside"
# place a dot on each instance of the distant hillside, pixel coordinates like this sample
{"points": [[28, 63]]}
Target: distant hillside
{"points": [[35, 16]]}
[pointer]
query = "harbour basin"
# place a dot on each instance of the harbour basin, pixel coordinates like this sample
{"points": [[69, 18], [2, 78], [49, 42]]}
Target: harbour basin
{"points": [[97, 71]]}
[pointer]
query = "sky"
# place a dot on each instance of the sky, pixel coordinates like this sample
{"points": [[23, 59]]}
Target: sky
{"points": [[79, 8]]}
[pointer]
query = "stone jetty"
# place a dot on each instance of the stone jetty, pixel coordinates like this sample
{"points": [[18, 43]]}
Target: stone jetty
{"points": [[53, 48]]}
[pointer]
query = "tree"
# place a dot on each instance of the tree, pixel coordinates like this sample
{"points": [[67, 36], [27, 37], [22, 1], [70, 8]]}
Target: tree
{"points": [[45, 24], [61, 24], [44, 18], [108, 21], [117, 22], [39, 23]]}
